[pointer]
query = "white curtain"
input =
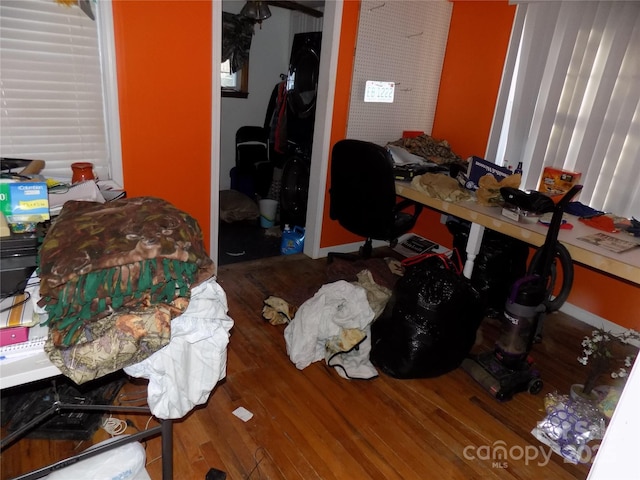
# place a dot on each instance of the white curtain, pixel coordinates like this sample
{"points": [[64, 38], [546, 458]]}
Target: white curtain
{"points": [[570, 98]]}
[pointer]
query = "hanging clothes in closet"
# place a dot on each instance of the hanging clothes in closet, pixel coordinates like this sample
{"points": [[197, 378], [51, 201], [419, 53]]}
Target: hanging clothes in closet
{"points": [[276, 119]]}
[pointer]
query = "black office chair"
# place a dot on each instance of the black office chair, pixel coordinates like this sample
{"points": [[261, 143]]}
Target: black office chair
{"points": [[363, 195], [253, 172]]}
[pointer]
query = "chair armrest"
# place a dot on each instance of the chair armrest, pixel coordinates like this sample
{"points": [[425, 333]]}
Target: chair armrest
{"points": [[406, 203]]}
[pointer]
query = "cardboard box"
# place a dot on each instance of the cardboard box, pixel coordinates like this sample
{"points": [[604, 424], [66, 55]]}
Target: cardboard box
{"points": [[555, 182], [478, 168], [24, 202]]}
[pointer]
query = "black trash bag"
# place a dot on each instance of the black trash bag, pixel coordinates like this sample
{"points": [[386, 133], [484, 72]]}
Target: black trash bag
{"points": [[500, 262], [429, 324]]}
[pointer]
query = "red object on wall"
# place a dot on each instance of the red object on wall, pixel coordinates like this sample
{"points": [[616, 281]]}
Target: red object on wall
{"points": [[411, 133]]}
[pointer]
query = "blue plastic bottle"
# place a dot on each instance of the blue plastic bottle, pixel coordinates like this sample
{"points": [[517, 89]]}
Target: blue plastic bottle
{"points": [[292, 240]]}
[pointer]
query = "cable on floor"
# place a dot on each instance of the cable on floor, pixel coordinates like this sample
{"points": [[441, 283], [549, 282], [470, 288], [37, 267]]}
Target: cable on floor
{"points": [[135, 396], [258, 461], [114, 426]]}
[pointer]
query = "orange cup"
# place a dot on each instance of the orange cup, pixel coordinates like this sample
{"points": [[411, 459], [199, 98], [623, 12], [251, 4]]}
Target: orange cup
{"points": [[82, 171]]}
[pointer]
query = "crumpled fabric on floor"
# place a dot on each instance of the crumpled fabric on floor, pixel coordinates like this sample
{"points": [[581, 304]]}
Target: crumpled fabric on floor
{"points": [[377, 295], [278, 311], [335, 306], [183, 374], [354, 363]]}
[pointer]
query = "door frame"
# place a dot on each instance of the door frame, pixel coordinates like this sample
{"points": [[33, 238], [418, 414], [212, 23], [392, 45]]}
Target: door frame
{"points": [[322, 132], [216, 103]]}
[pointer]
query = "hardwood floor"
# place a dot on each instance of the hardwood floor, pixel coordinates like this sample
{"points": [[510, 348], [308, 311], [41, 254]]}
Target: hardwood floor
{"points": [[313, 424]]}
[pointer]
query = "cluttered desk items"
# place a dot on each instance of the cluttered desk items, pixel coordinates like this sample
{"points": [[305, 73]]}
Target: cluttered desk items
{"points": [[21, 334], [478, 168], [24, 200], [411, 244], [406, 165], [24, 204], [118, 271], [27, 197], [121, 284], [28, 342], [18, 252]]}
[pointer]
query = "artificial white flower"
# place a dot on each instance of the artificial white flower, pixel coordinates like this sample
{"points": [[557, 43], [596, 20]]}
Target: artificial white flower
{"points": [[598, 349]]}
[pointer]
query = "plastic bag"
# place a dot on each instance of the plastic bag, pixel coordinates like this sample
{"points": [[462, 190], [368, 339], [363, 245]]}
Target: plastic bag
{"points": [[126, 462], [570, 424], [500, 262], [429, 325]]}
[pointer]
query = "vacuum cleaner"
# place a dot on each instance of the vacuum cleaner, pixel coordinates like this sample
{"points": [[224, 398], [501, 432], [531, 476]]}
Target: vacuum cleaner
{"points": [[509, 369]]}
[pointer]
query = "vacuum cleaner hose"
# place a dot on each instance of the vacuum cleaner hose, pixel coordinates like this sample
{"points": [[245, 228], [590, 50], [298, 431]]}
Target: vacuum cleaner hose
{"points": [[562, 258]]}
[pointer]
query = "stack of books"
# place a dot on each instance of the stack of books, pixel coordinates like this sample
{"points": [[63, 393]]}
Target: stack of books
{"points": [[412, 244], [21, 334]]}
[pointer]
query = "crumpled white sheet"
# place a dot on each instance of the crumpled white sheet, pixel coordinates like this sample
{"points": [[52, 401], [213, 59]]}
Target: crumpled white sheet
{"points": [[183, 373], [354, 364], [334, 307]]}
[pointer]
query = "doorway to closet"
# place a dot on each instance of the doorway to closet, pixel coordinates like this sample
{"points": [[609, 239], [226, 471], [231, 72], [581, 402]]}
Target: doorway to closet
{"points": [[246, 240]]}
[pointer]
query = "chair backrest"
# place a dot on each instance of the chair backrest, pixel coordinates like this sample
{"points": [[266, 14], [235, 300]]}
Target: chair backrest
{"points": [[252, 147], [250, 133], [362, 192]]}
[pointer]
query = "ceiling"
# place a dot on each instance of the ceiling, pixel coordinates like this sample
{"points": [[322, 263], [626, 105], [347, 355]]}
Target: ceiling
{"points": [[306, 6]]}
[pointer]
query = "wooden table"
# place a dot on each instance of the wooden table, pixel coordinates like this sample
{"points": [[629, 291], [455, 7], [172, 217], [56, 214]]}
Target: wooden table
{"points": [[625, 265]]}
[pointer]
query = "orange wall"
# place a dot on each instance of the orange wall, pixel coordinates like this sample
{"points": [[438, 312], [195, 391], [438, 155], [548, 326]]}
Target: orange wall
{"points": [[163, 52], [476, 50]]}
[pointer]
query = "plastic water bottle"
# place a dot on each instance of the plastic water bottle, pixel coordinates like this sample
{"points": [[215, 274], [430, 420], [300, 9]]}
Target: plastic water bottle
{"points": [[292, 240]]}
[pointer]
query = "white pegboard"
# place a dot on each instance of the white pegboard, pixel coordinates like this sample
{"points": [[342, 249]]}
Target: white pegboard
{"points": [[402, 42]]}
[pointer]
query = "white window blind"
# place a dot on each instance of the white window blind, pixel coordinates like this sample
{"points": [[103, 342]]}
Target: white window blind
{"points": [[51, 87], [570, 98]]}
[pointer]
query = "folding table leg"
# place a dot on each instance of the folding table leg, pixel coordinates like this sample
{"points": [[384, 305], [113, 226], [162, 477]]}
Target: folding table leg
{"points": [[167, 449]]}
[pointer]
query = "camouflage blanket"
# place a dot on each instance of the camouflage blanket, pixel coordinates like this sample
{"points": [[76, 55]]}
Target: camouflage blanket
{"points": [[113, 275], [437, 151], [119, 340]]}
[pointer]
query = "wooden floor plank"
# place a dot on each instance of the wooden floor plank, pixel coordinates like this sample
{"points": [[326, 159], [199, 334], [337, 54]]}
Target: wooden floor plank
{"points": [[313, 424]]}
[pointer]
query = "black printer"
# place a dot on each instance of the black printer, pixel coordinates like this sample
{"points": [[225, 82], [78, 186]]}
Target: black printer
{"points": [[18, 253]]}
